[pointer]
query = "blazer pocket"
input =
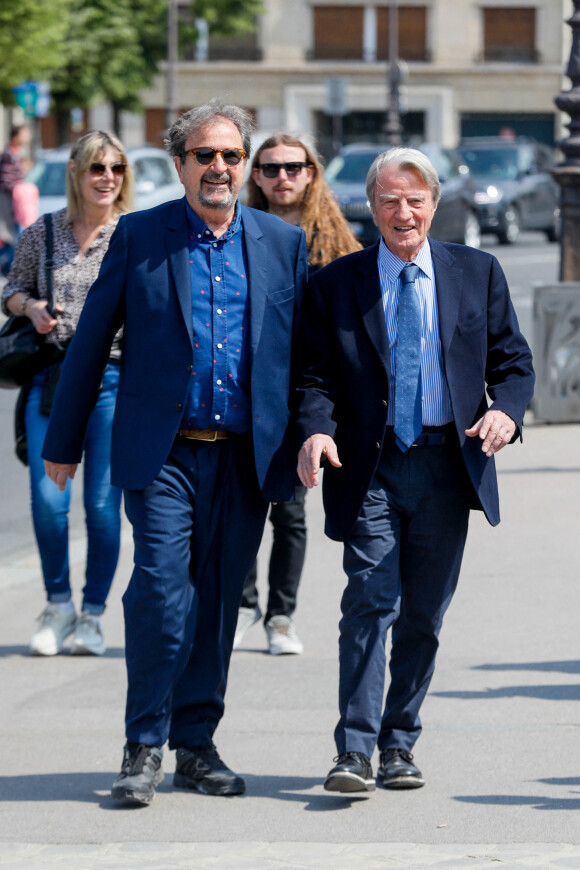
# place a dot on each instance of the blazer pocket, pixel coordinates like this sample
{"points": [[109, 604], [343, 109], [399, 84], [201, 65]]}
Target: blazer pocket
{"points": [[278, 296], [473, 323]]}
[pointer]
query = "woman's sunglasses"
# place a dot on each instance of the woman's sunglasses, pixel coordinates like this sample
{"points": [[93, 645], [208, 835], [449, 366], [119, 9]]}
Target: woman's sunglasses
{"points": [[98, 169], [206, 156], [272, 170]]}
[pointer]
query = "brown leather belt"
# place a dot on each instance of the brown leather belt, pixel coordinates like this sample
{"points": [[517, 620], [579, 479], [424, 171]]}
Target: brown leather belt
{"points": [[204, 434]]}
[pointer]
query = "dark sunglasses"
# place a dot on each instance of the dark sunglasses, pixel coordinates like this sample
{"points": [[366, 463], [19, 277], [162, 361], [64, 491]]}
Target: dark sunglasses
{"points": [[272, 170], [98, 169], [206, 156]]}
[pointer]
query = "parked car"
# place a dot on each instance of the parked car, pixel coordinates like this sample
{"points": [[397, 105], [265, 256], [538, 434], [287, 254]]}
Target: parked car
{"points": [[156, 179], [455, 219], [515, 187]]}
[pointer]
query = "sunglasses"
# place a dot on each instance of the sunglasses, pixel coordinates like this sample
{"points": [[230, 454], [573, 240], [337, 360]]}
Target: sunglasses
{"points": [[98, 169], [206, 156], [272, 170]]}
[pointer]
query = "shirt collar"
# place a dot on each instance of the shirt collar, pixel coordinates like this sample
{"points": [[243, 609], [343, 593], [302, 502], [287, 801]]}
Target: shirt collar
{"points": [[393, 265], [198, 226]]}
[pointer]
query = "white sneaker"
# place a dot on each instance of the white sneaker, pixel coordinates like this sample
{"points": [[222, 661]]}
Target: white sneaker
{"points": [[88, 638], [282, 637], [247, 617], [56, 623]]}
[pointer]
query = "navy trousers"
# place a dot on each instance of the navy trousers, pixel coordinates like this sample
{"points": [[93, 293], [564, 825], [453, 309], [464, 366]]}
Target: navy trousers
{"points": [[402, 562], [197, 529]]}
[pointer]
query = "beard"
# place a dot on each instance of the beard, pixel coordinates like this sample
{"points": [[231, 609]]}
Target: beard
{"points": [[207, 201]]}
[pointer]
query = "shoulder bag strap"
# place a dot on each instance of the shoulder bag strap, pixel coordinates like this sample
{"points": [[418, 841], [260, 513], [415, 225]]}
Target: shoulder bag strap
{"points": [[49, 264]]}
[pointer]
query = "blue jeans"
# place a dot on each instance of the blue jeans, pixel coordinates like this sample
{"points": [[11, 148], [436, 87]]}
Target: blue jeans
{"points": [[102, 501]]}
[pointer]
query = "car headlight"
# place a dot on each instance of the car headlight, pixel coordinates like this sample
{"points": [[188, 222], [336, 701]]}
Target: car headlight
{"points": [[490, 194]]}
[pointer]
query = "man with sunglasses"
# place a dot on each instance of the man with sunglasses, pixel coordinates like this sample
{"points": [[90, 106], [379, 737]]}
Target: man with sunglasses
{"points": [[287, 180], [208, 292]]}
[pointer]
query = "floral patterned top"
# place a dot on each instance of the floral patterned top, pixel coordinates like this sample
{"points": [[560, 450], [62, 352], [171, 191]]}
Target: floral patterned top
{"points": [[73, 273]]}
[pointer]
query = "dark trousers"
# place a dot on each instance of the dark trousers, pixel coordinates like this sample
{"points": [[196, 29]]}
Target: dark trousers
{"points": [[402, 562], [288, 519], [197, 529]]}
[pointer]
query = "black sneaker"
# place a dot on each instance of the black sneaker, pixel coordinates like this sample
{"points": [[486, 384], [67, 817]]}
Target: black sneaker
{"points": [[140, 773], [353, 772], [201, 769], [396, 770]]}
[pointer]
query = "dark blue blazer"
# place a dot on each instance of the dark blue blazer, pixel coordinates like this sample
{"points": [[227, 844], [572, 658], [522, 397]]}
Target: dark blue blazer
{"points": [[144, 285], [345, 368]]}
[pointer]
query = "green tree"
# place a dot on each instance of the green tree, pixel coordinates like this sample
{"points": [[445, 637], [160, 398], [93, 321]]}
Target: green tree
{"points": [[32, 33], [113, 48]]}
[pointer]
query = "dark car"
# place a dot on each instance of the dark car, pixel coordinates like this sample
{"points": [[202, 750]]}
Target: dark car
{"points": [[515, 187], [455, 219]]}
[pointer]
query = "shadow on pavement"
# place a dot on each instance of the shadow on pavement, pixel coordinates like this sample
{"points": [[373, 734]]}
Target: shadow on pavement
{"points": [[563, 667], [536, 802], [546, 693], [89, 788], [21, 650]]}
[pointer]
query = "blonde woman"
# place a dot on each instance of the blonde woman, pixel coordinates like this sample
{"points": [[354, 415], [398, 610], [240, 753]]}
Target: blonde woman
{"points": [[99, 190]]}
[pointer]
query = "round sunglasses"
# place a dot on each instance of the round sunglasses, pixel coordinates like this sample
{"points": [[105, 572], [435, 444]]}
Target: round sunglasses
{"points": [[206, 156], [272, 170], [98, 169]]}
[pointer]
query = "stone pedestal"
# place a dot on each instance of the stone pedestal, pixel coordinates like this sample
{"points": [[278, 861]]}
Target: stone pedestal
{"points": [[557, 352]]}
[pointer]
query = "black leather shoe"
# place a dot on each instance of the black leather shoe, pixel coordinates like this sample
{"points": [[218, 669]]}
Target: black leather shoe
{"points": [[201, 769], [140, 773], [396, 770], [353, 772]]}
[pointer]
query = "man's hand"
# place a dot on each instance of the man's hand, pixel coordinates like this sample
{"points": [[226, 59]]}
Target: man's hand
{"points": [[495, 429], [59, 473], [309, 458]]}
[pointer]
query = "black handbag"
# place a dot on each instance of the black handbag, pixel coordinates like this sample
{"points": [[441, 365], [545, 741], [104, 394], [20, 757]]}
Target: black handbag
{"points": [[21, 346]]}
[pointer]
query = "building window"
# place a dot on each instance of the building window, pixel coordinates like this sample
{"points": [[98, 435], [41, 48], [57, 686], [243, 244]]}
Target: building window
{"points": [[412, 33], [509, 34], [338, 32]]}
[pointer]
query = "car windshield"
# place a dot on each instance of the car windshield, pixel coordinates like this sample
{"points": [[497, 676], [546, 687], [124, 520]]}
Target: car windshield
{"points": [[350, 167], [501, 163], [49, 177]]}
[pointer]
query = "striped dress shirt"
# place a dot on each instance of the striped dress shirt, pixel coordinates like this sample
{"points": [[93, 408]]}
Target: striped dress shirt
{"points": [[435, 399]]}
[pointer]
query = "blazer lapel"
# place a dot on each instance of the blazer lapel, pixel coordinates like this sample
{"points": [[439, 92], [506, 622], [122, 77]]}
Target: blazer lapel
{"points": [[370, 301], [257, 264], [448, 282], [178, 257]]}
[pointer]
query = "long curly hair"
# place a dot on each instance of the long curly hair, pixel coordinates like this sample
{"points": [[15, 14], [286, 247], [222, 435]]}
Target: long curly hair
{"points": [[328, 235]]}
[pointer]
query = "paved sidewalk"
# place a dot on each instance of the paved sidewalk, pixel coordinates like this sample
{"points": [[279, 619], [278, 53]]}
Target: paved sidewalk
{"points": [[499, 750]]}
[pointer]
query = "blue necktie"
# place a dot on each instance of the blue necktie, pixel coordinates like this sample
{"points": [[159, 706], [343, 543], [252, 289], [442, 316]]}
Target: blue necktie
{"points": [[408, 420]]}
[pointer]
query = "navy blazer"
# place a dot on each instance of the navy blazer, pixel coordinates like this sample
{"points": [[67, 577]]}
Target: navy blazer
{"points": [[345, 368], [145, 286]]}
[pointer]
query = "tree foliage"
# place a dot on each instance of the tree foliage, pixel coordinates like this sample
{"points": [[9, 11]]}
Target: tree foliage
{"points": [[32, 33], [103, 50]]}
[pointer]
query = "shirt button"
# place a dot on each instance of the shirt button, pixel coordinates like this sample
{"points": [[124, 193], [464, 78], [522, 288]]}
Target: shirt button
{"points": [[217, 416], [385, 403], [220, 346], [218, 381], [378, 446], [219, 311], [190, 368], [215, 244], [179, 406], [218, 278]]}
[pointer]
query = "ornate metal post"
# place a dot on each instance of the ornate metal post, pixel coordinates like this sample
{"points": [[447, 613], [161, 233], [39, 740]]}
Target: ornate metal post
{"points": [[567, 173]]}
